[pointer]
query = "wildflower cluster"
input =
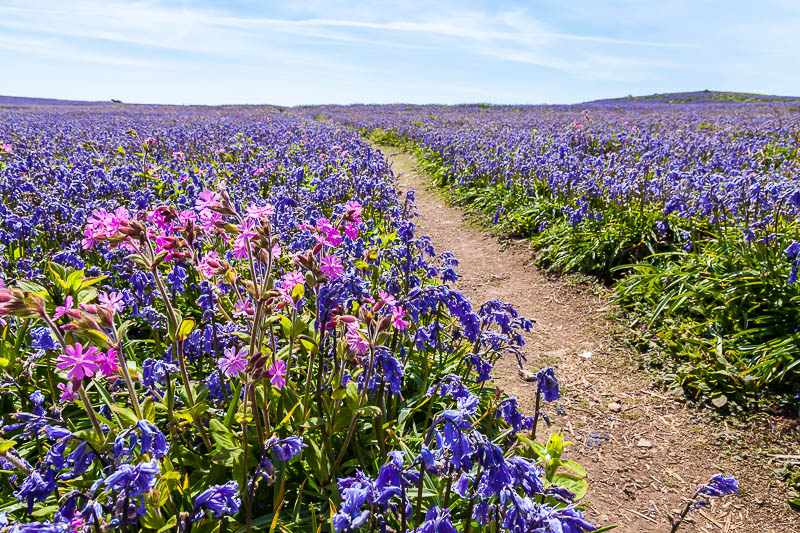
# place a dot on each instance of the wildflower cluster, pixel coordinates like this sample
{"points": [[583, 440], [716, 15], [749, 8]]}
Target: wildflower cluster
{"points": [[256, 330], [692, 207]]}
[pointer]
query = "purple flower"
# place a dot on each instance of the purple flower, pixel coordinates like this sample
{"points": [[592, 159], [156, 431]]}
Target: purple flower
{"points": [[134, 480], [286, 448], [548, 383], [331, 266], [719, 486], [277, 371], [78, 362], [350, 515], [221, 500], [233, 362], [36, 488], [437, 521]]}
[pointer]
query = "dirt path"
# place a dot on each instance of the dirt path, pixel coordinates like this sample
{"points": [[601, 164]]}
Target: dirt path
{"points": [[644, 452]]}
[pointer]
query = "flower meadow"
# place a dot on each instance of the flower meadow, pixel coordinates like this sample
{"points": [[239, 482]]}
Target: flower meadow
{"points": [[691, 210], [222, 319]]}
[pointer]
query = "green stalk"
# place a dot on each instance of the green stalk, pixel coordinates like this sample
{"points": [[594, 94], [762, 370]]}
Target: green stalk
{"points": [[90, 410]]}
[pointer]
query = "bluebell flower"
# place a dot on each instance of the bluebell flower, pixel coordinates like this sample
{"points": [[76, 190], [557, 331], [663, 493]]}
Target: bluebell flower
{"points": [[221, 500], [462, 485], [43, 338], [437, 520], [134, 480], [719, 486], [526, 475], [549, 384], [38, 400], [351, 514], [41, 527], [286, 448], [145, 436], [508, 410], [36, 488]]}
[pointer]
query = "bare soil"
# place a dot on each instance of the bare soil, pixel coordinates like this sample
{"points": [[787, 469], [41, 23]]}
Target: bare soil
{"points": [[644, 451]]}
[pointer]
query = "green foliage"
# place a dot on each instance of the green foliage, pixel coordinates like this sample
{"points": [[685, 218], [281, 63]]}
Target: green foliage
{"points": [[723, 311]]}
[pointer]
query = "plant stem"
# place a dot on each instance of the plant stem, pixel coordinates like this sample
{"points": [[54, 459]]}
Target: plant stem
{"points": [[536, 410], [123, 363], [90, 410], [676, 524]]}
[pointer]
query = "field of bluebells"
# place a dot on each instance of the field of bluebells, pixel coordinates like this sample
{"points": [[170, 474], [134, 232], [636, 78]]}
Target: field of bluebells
{"points": [[690, 209], [221, 319]]}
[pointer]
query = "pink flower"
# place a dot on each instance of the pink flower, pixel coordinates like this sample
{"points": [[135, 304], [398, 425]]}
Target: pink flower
{"points": [[351, 230], [207, 200], [243, 308], [240, 243], [332, 266], [187, 216], [233, 362], [77, 523], [109, 364], [68, 391], [397, 319], [209, 263], [66, 309], [276, 251], [206, 220], [77, 362], [112, 300], [355, 340], [6, 147], [326, 233], [290, 279], [262, 211], [179, 156], [90, 238], [324, 226], [278, 373], [353, 210], [387, 298]]}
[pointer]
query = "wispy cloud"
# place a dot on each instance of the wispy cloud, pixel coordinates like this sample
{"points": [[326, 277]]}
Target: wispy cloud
{"points": [[387, 51], [512, 35]]}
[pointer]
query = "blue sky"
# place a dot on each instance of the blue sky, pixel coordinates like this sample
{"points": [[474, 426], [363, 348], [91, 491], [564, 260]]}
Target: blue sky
{"points": [[287, 53]]}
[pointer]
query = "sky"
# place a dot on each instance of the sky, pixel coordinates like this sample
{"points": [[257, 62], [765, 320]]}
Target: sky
{"points": [[313, 52]]}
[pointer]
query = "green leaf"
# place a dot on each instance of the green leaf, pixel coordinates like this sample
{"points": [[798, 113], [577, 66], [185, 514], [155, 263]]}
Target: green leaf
{"points": [[149, 409], [574, 467], [170, 525], [577, 485], [6, 445], [127, 417], [58, 273], [99, 338], [352, 395], [74, 281], [230, 415], [91, 281], [30, 286], [186, 327], [339, 394], [370, 411]]}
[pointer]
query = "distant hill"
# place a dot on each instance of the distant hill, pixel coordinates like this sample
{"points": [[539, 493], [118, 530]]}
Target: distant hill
{"points": [[702, 96], [25, 101]]}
